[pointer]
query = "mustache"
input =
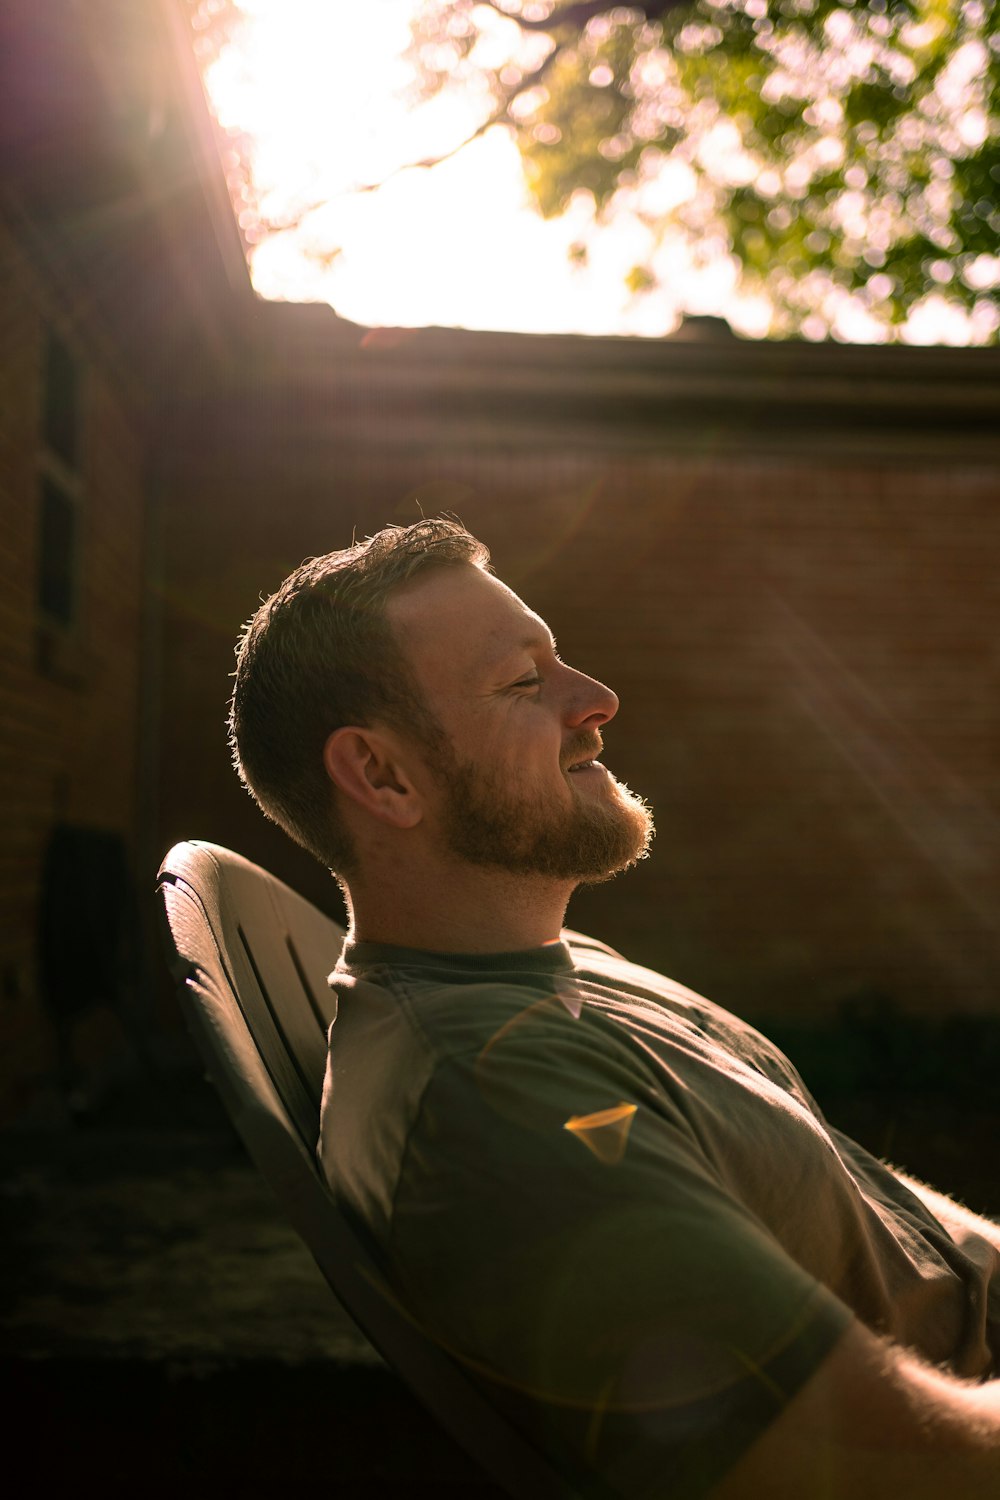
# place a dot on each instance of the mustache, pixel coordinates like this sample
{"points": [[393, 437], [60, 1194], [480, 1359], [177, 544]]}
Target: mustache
{"points": [[583, 747]]}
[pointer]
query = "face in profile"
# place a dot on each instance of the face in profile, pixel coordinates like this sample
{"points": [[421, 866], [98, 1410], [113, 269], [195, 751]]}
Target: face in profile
{"points": [[517, 783]]}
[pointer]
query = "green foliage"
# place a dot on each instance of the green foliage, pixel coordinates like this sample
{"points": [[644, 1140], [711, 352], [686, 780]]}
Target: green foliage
{"points": [[838, 150], [566, 149]]}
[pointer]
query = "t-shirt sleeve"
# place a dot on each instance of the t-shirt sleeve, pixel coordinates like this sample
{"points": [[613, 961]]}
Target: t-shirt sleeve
{"points": [[558, 1229]]}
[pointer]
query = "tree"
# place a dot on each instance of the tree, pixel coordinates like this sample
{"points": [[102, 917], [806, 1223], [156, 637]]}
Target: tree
{"points": [[842, 152]]}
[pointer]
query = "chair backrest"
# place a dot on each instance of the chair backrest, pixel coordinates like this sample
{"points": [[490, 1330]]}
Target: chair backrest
{"points": [[250, 958]]}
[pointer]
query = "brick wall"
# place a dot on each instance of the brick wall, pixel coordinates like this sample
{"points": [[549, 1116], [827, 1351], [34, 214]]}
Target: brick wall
{"points": [[806, 651], [67, 741]]}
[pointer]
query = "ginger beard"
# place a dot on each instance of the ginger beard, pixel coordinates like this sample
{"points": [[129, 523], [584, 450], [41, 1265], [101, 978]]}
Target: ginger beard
{"points": [[604, 831]]}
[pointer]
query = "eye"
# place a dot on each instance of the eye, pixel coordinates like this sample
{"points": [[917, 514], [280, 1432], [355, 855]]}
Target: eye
{"points": [[528, 682]]}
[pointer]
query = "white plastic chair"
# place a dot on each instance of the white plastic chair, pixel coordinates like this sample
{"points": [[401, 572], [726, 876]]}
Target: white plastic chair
{"points": [[250, 958]]}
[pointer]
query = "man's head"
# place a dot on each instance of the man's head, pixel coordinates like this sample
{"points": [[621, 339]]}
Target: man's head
{"points": [[320, 654], [399, 688]]}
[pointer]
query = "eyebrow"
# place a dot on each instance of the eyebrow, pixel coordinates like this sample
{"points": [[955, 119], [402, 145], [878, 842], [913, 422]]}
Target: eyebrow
{"points": [[532, 642]]}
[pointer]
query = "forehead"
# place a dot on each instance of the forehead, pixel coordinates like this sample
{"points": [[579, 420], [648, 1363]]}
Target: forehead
{"points": [[460, 623]]}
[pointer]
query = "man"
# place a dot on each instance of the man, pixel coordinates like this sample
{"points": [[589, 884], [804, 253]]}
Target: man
{"points": [[614, 1202]]}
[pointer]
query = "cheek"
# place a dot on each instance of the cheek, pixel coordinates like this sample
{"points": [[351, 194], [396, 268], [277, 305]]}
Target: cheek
{"points": [[525, 746]]}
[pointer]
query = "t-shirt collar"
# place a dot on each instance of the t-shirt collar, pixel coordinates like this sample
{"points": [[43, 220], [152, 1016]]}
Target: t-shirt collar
{"points": [[551, 958]]}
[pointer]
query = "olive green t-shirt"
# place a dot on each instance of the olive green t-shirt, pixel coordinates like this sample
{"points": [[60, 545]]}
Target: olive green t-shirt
{"points": [[618, 1205]]}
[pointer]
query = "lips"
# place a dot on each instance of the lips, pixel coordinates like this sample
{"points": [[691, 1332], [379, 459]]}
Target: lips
{"points": [[583, 757]]}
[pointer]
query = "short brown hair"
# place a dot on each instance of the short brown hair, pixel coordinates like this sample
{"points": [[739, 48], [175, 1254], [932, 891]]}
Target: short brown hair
{"points": [[320, 654]]}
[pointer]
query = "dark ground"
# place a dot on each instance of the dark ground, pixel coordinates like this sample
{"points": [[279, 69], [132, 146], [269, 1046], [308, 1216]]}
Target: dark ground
{"points": [[165, 1331]]}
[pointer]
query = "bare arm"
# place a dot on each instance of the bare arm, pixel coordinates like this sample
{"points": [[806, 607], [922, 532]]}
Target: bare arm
{"points": [[874, 1422]]}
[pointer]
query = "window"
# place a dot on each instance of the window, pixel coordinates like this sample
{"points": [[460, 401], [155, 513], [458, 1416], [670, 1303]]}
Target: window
{"points": [[61, 401], [59, 514], [57, 557]]}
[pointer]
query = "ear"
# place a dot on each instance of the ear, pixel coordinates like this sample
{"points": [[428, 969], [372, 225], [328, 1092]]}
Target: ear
{"points": [[367, 766]]}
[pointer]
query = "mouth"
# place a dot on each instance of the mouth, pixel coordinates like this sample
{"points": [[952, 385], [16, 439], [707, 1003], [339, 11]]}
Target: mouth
{"points": [[586, 761]]}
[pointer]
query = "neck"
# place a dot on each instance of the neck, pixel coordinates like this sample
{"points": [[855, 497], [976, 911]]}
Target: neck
{"points": [[462, 909]]}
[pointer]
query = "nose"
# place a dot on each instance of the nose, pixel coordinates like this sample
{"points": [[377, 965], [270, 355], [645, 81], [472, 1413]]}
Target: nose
{"points": [[590, 702]]}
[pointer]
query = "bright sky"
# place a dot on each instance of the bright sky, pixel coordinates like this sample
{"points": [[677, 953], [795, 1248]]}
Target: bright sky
{"points": [[318, 84]]}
